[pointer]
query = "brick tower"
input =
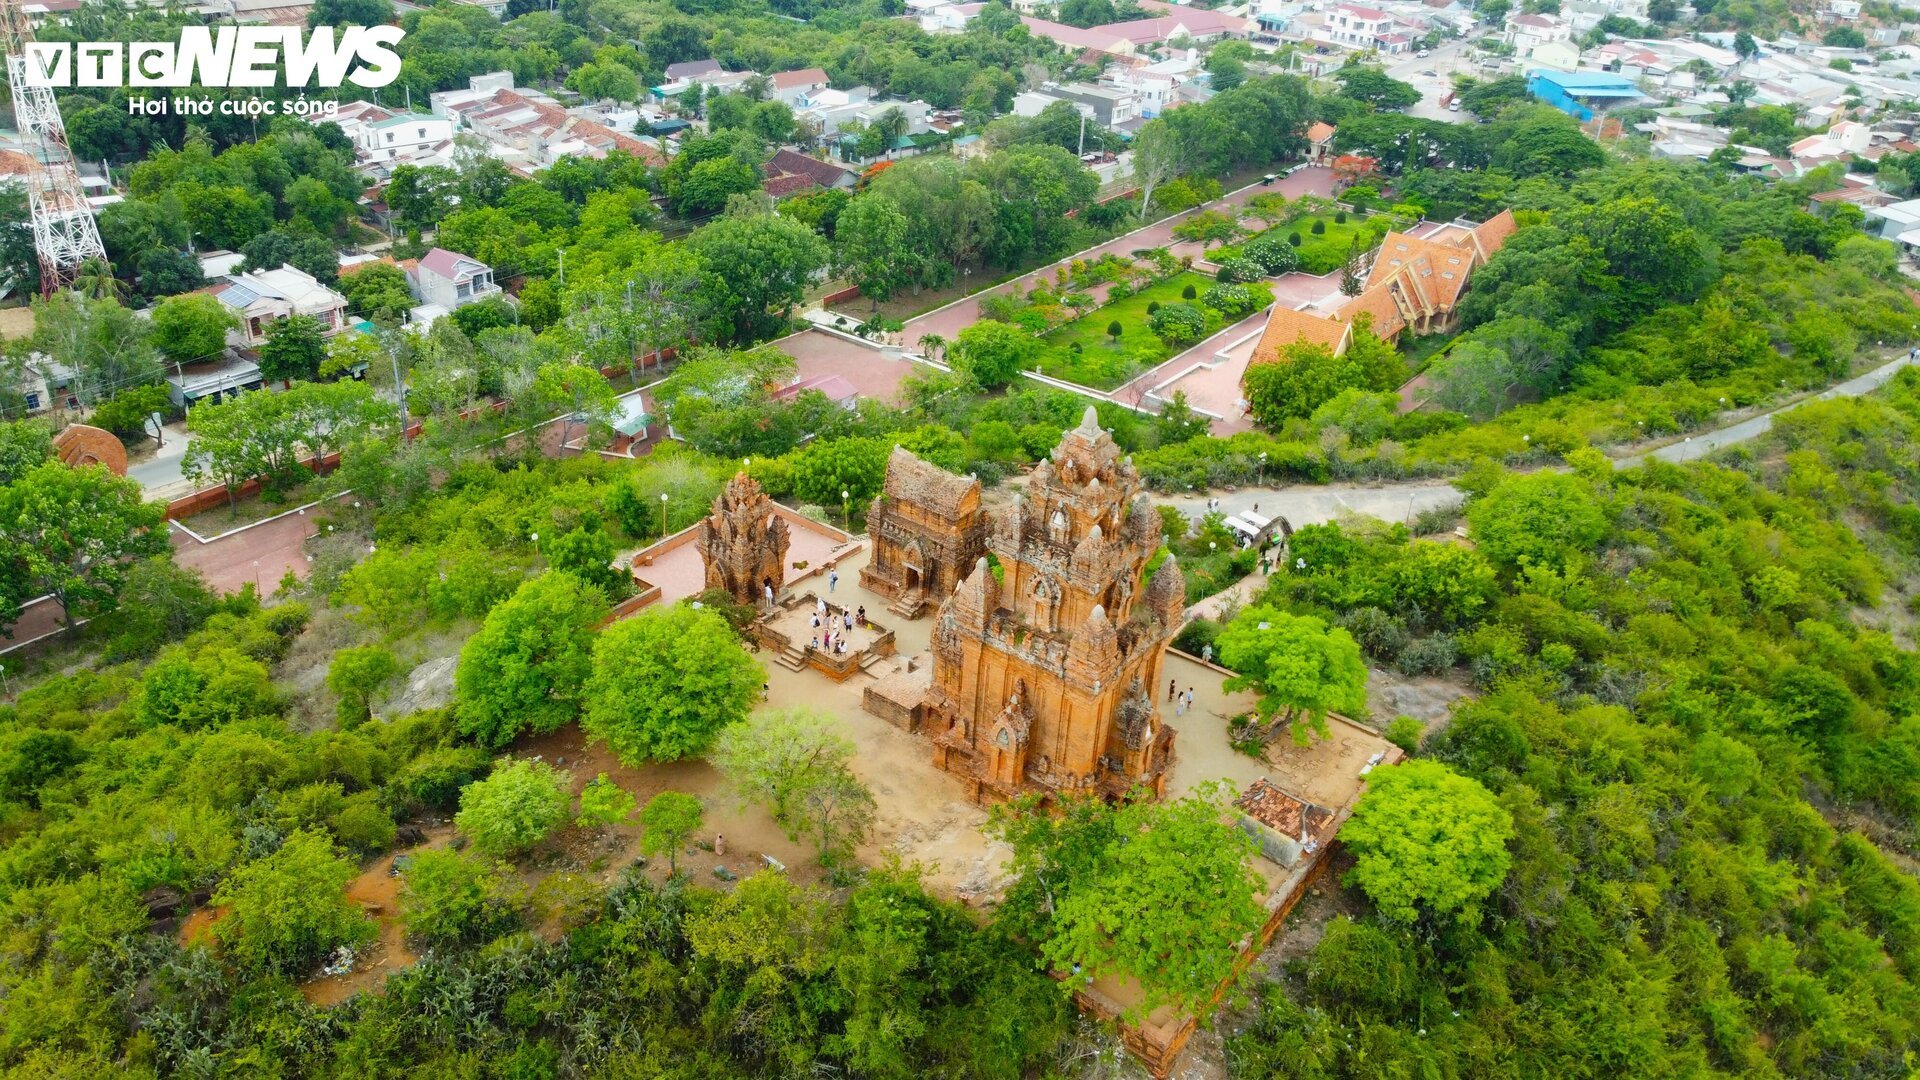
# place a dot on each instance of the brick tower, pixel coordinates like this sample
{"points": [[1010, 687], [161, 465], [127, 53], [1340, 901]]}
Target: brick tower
{"points": [[1044, 674], [744, 542]]}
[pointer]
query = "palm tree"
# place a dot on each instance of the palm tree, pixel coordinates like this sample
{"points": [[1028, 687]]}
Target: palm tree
{"points": [[931, 345], [95, 280], [892, 123]]}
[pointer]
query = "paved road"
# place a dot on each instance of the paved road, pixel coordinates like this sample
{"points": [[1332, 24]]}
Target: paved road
{"points": [[957, 316], [1444, 61], [1698, 446], [161, 472]]}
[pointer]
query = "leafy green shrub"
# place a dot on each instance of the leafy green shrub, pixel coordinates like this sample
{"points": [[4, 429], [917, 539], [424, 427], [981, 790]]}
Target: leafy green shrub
{"points": [[1434, 654], [455, 898], [1178, 324], [517, 806], [1189, 293], [433, 780], [1404, 732]]}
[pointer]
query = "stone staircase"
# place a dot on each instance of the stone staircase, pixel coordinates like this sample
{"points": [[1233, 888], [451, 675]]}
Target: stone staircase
{"points": [[791, 658]]}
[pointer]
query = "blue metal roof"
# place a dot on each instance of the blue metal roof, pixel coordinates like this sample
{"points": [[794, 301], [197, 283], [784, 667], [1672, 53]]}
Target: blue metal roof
{"points": [[1590, 83]]}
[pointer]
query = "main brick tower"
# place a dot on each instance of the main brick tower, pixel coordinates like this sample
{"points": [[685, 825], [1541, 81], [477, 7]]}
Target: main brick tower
{"points": [[1045, 666]]}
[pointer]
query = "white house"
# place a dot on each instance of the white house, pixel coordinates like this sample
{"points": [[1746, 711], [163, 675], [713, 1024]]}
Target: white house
{"points": [[797, 88], [402, 135], [450, 279], [262, 297], [1356, 27], [1525, 33]]}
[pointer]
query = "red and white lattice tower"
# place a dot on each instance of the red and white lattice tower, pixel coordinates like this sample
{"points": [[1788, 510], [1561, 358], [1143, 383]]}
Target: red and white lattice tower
{"points": [[64, 232]]}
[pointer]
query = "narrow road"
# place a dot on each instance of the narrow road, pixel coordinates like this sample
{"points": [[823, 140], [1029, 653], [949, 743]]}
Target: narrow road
{"points": [[1403, 501]]}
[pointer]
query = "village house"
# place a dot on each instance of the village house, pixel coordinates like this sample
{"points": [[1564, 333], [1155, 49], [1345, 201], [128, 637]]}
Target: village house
{"points": [[450, 280], [262, 297]]}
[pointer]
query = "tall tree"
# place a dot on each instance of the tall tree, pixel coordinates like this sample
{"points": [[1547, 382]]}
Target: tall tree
{"points": [[294, 349], [527, 667], [193, 328], [73, 534], [757, 266], [1428, 841], [871, 249], [665, 682], [1301, 668]]}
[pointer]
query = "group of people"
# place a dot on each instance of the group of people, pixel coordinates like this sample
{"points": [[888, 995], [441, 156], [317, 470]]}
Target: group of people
{"points": [[838, 623], [1182, 700]]}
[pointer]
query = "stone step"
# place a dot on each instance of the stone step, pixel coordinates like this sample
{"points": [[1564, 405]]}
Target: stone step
{"points": [[791, 659]]}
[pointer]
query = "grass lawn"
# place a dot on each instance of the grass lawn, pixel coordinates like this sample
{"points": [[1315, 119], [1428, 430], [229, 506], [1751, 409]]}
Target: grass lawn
{"points": [[1323, 253], [1103, 363]]}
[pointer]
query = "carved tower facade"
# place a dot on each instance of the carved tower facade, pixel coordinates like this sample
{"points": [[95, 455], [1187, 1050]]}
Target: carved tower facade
{"points": [[1044, 673], [744, 542]]}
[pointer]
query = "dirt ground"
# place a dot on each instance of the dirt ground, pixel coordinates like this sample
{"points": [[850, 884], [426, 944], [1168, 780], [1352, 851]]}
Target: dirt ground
{"points": [[377, 892]]}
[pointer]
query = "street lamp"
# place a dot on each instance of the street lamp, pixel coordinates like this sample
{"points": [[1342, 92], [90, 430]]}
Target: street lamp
{"points": [[846, 510], [1263, 468], [535, 537], [663, 515]]}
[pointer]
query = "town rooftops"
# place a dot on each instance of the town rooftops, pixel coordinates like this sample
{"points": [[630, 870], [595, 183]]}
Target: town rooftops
{"points": [[792, 163], [1536, 22]]}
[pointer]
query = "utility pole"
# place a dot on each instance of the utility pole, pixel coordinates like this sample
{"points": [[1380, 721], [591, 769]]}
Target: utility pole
{"points": [[1083, 135], [400, 389]]}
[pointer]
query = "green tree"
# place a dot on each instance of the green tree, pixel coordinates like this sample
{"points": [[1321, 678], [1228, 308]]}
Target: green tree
{"points": [[377, 291], [1375, 87], [129, 413], [1305, 377], [993, 353], [1427, 840], [756, 268], [669, 819], [192, 328], [587, 553], [24, 444], [518, 805], [1180, 861], [825, 468], [870, 237], [1301, 668], [1540, 519], [294, 349], [454, 898], [288, 911], [604, 804], [527, 667], [73, 534], [356, 675], [665, 682], [793, 764]]}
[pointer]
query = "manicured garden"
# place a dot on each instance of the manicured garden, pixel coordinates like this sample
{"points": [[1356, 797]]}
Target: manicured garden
{"points": [[1320, 252], [1084, 351]]}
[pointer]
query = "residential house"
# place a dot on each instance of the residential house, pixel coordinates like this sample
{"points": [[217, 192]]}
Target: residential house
{"points": [[1356, 27], [261, 297], [215, 380], [451, 280], [792, 173], [797, 88], [401, 136], [1891, 221], [1525, 33], [1415, 282], [529, 130], [687, 69], [1113, 106]]}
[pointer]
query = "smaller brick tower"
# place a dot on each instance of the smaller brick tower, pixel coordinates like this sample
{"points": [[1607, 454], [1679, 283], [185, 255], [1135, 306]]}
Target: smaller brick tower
{"points": [[744, 542]]}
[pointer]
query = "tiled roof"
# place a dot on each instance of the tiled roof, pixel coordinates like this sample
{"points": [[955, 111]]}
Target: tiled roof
{"points": [[787, 80], [781, 187], [686, 69], [1289, 815], [909, 479], [789, 162], [1287, 326], [1321, 131], [447, 263]]}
